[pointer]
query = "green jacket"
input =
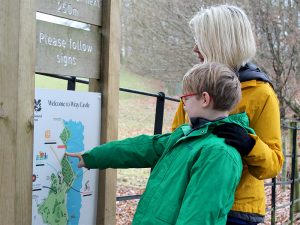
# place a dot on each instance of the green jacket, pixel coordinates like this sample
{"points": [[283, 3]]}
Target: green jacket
{"points": [[194, 175]]}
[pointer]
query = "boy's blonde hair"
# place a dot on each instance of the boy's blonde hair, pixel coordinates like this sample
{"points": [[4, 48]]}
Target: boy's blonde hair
{"points": [[220, 82], [223, 34]]}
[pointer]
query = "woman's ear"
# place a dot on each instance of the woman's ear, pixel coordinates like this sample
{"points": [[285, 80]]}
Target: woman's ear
{"points": [[206, 99]]}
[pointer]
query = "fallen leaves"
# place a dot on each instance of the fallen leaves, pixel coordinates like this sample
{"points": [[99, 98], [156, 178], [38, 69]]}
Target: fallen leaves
{"points": [[126, 209]]}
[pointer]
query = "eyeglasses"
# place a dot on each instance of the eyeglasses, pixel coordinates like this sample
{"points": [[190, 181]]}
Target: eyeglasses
{"points": [[183, 97]]}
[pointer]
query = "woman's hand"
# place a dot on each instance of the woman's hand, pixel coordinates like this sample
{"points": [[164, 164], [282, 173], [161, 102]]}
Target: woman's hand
{"points": [[79, 156], [235, 136]]}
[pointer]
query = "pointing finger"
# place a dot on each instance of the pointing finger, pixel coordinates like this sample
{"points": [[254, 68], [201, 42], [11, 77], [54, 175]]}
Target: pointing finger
{"points": [[76, 155]]}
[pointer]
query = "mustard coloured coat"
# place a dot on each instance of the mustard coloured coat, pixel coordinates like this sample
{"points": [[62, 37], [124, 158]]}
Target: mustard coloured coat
{"points": [[265, 160]]}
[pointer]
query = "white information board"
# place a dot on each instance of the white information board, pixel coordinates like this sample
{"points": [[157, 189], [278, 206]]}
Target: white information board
{"points": [[64, 121]]}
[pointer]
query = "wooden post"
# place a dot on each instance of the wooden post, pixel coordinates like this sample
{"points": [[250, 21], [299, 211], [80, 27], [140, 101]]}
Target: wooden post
{"points": [[108, 85], [17, 62]]}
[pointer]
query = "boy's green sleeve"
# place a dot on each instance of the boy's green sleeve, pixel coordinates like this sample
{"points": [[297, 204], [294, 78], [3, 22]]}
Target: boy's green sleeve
{"points": [[139, 152]]}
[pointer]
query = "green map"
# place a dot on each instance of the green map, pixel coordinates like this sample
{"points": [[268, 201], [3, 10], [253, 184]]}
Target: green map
{"points": [[53, 209]]}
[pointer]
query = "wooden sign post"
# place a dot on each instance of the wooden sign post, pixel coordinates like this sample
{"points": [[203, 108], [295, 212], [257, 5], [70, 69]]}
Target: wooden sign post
{"points": [[108, 85], [17, 62], [28, 46]]}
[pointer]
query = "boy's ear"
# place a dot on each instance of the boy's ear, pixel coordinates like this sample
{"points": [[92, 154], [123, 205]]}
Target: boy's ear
{"points": [[206, 99]]}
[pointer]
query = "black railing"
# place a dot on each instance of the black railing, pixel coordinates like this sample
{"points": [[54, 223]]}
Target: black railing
{"points": [[291, 182], [159, 109], [160, 102]]}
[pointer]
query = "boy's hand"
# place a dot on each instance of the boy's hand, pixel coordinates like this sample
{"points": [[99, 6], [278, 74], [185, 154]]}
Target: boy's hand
{"points": [[77, 155], [236, 136]]}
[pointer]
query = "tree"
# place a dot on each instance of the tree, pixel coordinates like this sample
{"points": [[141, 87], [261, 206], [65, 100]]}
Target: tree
{"points": [[277, 30], [159, 41]]}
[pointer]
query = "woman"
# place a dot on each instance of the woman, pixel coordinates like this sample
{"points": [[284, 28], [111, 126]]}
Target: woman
{"points": [[223, 34]]}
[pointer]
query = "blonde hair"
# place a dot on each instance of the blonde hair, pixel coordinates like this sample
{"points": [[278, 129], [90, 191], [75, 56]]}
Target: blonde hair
{"points": [[220, 82], [223, 34]]}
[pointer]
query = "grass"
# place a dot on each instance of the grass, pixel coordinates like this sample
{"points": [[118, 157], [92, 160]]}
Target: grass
{"points": [[127, 80], [137, 116], [56, 84], [136, 82]]}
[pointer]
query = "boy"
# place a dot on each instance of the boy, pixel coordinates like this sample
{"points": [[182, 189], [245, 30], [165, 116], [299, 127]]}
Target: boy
{"points": [[195, 173]]}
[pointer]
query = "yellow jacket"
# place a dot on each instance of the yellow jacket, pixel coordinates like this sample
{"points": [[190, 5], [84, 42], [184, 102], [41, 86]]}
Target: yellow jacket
{"points": [[265, 160]]}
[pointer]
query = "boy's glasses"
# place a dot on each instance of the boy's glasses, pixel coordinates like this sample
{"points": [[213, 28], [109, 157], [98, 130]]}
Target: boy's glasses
{"points": [[183, 97]]}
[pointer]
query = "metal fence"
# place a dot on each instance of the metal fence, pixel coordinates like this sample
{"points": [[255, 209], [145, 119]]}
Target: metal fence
{"points": [[292, 181], [289, 177]]}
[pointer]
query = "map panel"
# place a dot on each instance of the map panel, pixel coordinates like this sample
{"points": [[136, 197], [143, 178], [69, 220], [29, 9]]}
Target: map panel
{"points": [[62, 193]]}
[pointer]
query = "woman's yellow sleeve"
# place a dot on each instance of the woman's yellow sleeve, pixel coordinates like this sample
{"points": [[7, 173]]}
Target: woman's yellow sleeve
{"points": [[266, 158], [180, 117]]}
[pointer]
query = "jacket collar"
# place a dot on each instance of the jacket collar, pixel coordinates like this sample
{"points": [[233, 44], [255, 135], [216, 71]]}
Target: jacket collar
{"points": [[250, 72], [197, 122], [240, 119]]}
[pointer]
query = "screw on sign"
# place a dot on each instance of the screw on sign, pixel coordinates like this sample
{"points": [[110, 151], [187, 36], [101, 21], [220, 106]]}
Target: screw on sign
{"points": [[33, 178]]}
